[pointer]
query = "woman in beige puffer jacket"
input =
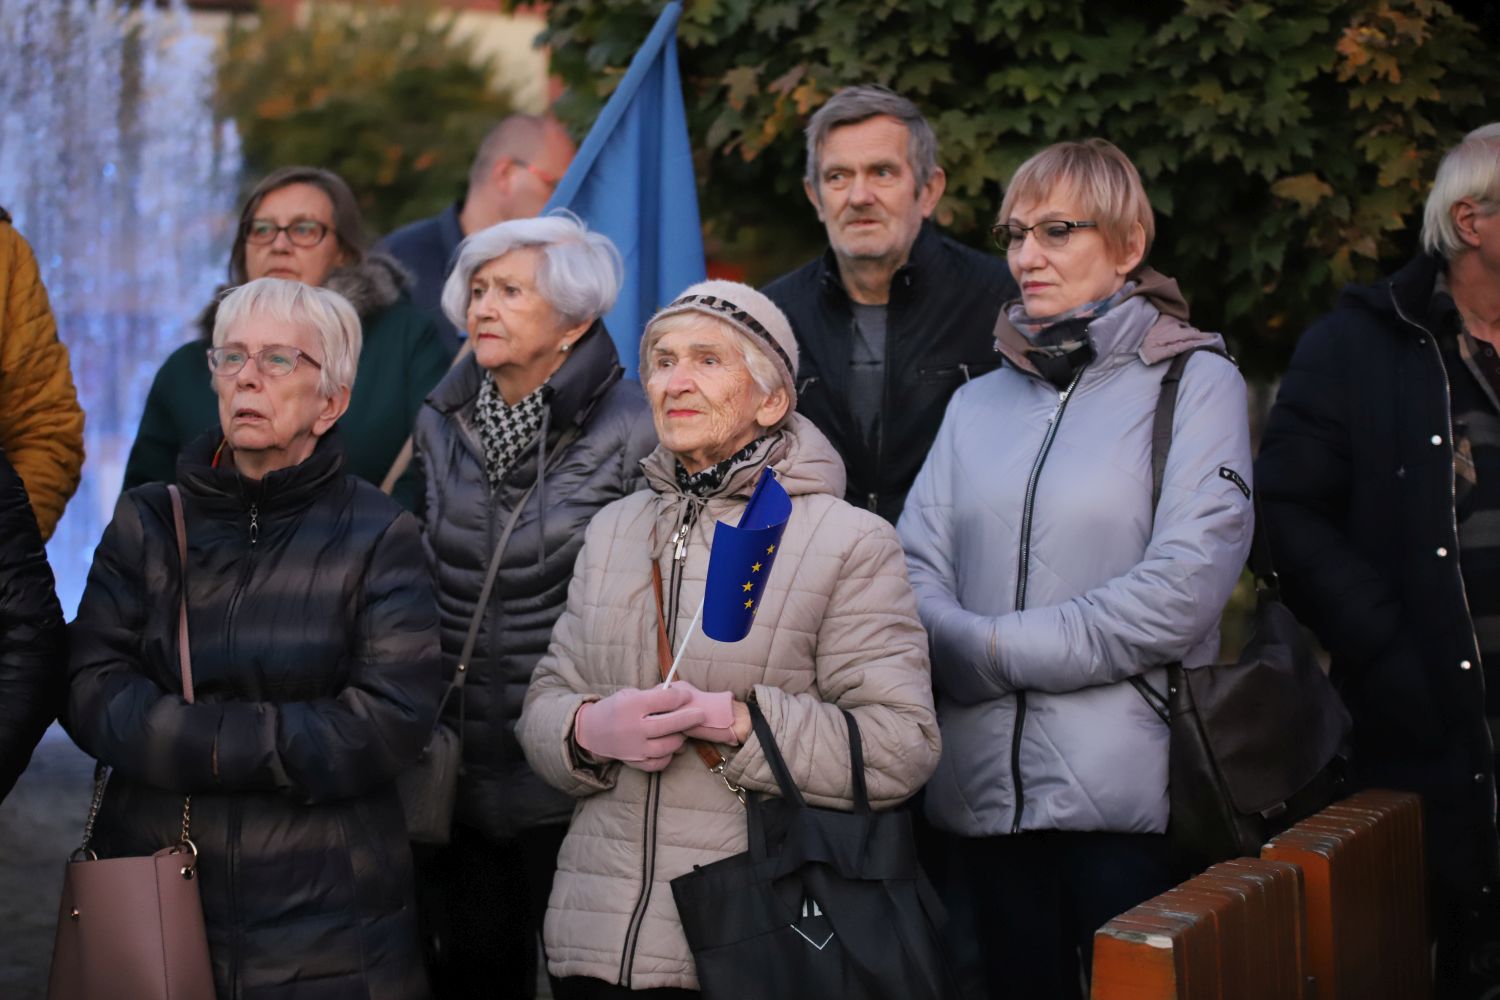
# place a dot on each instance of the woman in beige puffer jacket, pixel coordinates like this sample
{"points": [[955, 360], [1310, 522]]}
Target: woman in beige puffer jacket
{"points": [[836, 629]]}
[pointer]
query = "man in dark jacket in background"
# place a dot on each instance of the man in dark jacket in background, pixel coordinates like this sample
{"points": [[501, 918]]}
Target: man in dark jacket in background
{"points": [[518, 166], [894, 316], [1380, 486], [33, 671]]}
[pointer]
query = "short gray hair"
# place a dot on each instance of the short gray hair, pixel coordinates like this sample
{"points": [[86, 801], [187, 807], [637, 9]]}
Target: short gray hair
{"points": [[763, 370], [291, 303], [579, 274], [1469, 170], [853, 105]]}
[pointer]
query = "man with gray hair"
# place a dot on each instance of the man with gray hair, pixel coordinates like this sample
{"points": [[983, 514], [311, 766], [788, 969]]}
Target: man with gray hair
{"points": [[894, 316], [518, 166], [1380, 467]]}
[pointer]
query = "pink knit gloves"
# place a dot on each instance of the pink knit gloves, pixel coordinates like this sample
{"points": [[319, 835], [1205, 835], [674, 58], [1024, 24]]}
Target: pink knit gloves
{"points": [[642, 728]]}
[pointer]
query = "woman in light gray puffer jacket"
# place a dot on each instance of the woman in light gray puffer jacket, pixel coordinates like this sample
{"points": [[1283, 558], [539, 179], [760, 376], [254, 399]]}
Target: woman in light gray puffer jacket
{"points": [[1046, 582]]}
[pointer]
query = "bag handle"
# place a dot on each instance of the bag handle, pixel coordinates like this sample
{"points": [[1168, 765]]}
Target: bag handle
{"points": [[789, 789], [403, 458]]}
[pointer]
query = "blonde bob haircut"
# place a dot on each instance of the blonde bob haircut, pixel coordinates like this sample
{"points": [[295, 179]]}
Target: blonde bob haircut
{"points": [[1100, 177], [1470, 170], [292, 304]]}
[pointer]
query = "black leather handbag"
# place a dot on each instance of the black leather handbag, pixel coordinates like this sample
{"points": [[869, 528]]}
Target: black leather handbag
{"points": [[1258, 744], [823, 904]]}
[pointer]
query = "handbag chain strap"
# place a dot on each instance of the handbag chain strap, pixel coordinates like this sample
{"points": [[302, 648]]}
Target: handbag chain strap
{"points": [[712, 759]]}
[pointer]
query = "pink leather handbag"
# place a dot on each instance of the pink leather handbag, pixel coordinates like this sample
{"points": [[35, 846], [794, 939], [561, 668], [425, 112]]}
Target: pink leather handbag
{"points": [[132, 928]]}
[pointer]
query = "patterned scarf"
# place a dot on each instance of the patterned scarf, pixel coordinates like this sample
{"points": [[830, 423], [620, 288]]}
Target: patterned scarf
{"points": [[505, 430], [1060, 344], [704, 483]]}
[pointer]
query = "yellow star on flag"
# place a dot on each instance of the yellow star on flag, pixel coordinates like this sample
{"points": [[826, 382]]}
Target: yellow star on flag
{"points": [[770, 549], [749, 587], [749, 604], [755, 568]]}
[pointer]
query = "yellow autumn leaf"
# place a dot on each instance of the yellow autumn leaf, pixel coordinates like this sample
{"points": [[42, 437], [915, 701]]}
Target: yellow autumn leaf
{"points": [[1305, 189]]}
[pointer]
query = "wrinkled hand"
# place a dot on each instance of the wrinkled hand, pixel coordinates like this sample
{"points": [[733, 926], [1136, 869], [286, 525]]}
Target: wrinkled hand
{"points": [[722, 721], [642, 728]]}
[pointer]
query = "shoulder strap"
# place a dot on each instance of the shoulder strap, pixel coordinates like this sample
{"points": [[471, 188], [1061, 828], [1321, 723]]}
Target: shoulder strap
{"points": [[184, 653], [403, 459]]}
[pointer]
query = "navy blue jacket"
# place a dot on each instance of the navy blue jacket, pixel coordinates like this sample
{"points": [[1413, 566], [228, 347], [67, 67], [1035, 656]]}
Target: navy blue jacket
{"points": [[1356, 481], [426, 248]]}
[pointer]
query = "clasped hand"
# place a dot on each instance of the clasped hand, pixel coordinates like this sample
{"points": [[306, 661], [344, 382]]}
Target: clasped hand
{"points": [[646, 727]]}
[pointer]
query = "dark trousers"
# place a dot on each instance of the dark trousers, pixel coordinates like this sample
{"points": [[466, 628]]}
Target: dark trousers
{"points": [[587, 988], [481, 904], [1039, 897]]}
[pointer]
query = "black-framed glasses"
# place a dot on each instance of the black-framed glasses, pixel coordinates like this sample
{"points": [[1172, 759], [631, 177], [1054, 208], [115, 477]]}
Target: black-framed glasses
{"points": [[1050, 233], [302, 232], [277, 360]]}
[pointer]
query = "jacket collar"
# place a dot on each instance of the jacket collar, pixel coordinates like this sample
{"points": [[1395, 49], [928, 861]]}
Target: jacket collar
{"points": [[1152, 324], [1405, 296], [923, 260], [219, 486], [803, 459], [573, 391], [449, 231]]}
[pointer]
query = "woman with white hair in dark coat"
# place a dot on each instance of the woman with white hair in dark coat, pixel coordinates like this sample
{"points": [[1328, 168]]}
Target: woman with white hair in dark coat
{"points": [[534, 432]]}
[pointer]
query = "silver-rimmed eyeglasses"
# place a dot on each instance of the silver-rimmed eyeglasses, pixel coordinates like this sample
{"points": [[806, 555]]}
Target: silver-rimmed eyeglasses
{"points": [[1049, 233], [277, 360]]}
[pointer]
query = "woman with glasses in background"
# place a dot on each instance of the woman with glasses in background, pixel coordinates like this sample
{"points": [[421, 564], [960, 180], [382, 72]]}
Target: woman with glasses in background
{"points": [[1048, 579], [315, 665], [303, 224]]}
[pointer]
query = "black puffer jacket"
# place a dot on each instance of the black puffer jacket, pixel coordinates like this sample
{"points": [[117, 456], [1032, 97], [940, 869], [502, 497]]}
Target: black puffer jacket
{"points": [[317, 673], [499, 794], [33, 644], [1356, 481]]}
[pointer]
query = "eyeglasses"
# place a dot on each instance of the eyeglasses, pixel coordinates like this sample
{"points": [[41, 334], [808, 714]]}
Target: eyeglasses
{"points": [[537, 172], [1049, 233], [277, 360], [302, 232]]}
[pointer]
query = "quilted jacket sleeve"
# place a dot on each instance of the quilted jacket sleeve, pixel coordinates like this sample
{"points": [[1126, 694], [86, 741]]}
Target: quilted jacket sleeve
{"points": [[313, 750], [558, 689], [871, 658], [41, 423], [1174, 596], [963, 643], [33, 666]]}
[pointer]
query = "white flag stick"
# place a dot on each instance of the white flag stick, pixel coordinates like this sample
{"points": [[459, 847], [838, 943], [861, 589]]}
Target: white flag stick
{"points": [[683, 648]]}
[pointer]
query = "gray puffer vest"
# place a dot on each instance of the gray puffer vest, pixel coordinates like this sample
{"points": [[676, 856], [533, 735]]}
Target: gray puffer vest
{"points": [[498, 794], [1045, 582]]}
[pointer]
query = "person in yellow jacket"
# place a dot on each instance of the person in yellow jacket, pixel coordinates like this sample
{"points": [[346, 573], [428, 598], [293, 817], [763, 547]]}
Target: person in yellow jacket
{"points": [[41, 423]]}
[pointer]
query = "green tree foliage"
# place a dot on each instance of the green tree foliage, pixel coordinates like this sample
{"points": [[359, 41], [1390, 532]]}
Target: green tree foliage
{"points": [[1286, 144], [387, 95]]}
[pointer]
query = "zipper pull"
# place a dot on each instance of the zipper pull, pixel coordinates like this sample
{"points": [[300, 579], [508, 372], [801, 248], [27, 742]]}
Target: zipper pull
{"points": [[254, 523], [681, 542]]}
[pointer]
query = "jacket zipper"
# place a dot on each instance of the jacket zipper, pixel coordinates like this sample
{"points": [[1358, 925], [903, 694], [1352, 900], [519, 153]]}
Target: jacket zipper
{"points": [[233, 851], [1027, 510], [653, 784], [1453, 514]]}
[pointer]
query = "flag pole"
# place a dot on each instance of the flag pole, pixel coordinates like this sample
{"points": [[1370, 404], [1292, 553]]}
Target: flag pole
{"points": [[683, 648]]}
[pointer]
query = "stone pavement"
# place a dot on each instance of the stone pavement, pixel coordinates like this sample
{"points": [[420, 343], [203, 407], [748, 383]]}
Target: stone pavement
{"points": [[41, 821]]}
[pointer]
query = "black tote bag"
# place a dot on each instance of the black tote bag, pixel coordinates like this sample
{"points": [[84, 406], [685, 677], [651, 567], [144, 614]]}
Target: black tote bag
{"points": [[823, 904]]}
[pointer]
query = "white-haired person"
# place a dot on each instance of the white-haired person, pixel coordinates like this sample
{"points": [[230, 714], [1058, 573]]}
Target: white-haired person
{"points": [[836, 629], [1048, 579], [315, 662], [519, 446], [1380, 485]]}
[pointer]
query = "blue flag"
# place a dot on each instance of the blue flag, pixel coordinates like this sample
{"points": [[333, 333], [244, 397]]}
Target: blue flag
{"points": [[632, 180], [740, 562]]}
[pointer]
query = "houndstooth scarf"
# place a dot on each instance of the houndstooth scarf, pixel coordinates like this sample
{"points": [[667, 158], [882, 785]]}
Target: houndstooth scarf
{"points": [[504, 430]]}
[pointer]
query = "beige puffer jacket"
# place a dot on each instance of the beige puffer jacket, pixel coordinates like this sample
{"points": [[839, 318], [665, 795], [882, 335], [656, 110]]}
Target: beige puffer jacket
{"points": [[837, 629]]}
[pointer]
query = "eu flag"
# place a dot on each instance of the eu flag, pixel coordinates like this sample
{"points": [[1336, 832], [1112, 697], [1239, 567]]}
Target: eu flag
{"points": [[740, 562], [632, 180]]}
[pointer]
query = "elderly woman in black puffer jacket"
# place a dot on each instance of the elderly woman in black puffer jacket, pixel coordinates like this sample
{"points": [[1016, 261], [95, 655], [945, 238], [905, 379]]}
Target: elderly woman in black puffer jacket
{"points": [[536, 430], [315, 662]]}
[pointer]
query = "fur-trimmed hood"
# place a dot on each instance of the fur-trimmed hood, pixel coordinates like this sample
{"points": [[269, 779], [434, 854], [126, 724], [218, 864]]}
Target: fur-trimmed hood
{"points": [[375, 283]]}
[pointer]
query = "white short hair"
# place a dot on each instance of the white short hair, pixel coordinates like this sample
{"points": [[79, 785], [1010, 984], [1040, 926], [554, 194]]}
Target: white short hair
{"points": [[579, 274], [325, 312], [1469, 170]]}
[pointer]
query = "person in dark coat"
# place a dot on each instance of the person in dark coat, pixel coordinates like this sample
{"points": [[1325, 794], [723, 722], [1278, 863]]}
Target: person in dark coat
{"points": [[315, 660], [1380, 487], [33, 642], [303, 224], [895, 315], [539, 429]]}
